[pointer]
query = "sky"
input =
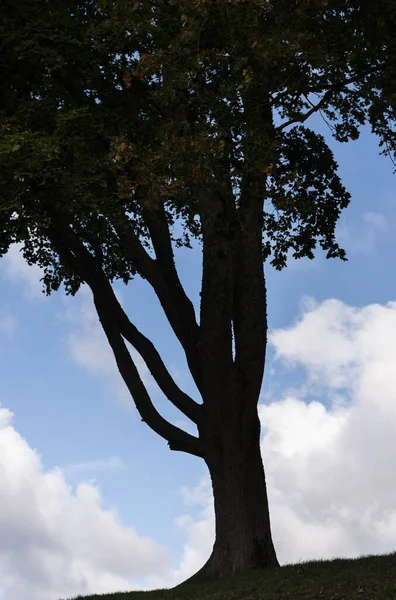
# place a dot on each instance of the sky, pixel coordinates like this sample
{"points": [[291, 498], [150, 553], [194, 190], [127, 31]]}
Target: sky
{"points": [[92, 501]]}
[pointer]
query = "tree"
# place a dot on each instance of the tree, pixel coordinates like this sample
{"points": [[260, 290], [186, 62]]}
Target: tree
{"points": [[118, 117]]}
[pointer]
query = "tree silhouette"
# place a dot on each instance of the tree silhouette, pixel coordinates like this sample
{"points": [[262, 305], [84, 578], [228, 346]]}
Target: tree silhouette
{"points": [[119, 117]]}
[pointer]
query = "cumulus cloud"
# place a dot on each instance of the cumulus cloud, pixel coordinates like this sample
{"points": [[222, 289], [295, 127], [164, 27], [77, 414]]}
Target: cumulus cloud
{"points": [[329, 469], [329, 463], [57, 542], [328, 454], [199, 531], [341, 346]]}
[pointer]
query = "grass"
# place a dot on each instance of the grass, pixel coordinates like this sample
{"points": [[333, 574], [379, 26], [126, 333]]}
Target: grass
{"points": [[365, 578]]}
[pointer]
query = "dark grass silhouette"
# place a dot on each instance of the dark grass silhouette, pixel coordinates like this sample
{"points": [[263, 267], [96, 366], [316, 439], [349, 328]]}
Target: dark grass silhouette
{"points": [[364, 578]]}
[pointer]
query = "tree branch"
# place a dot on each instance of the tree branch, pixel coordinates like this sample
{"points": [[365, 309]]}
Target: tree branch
{"points": [[150, 355], [162, 276], [325, 87], [157, 224], [249, 293], [305, 116], [328, 89], [89, 269], [218, 223], [338, 87], [177, 438]]}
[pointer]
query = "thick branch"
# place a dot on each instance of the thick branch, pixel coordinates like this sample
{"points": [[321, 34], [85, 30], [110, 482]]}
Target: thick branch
{"points": [[87, 266], [177, 438], [156, 221], [249, 294], [219, 224], [174, 301], [161, 273], [150, 355], [165, 282]]}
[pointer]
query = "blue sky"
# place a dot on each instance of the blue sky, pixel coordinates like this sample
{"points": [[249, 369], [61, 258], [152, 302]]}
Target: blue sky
{"points": [[93, 501]]}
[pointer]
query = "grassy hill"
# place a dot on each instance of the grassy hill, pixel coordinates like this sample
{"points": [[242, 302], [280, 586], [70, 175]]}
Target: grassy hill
{"points": [[366, 578]]}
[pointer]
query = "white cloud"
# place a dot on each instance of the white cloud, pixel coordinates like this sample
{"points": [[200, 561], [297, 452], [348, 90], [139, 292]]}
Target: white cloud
{"points": [[341, 346], [58, 542], [329, 469], [199, 532], [323, 340], [17, 270]]}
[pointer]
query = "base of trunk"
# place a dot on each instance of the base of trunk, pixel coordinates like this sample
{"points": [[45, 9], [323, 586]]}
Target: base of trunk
{"points": [[221, 565], [243, 540]]}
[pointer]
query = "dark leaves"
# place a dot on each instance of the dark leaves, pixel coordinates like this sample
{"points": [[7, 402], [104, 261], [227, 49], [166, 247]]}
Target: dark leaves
{"points": [[307, 198], [110, 106]]}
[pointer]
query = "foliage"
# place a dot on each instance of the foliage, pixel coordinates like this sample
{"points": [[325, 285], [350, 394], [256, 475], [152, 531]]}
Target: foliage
{"points": [[109, 107]]}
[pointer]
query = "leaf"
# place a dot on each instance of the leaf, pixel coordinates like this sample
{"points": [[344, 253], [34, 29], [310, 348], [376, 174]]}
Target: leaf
{"points": [[127, 79]]}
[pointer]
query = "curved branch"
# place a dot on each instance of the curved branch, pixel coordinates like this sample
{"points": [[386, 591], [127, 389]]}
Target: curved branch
{"points": [[177, 438], [85, 264], [160, 273], [157, 224], [162, 276], [150, 355]]}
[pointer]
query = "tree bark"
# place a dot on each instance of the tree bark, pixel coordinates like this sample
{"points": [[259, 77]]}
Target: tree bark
{"points": [[233, 291], [242, 523]]}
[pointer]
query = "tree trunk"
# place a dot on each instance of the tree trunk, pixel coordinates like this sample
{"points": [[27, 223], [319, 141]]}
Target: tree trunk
{"points": [[242, 524]]}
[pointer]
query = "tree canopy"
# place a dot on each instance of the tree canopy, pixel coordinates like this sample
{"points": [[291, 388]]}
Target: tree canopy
{"points": [[108, 108]]}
